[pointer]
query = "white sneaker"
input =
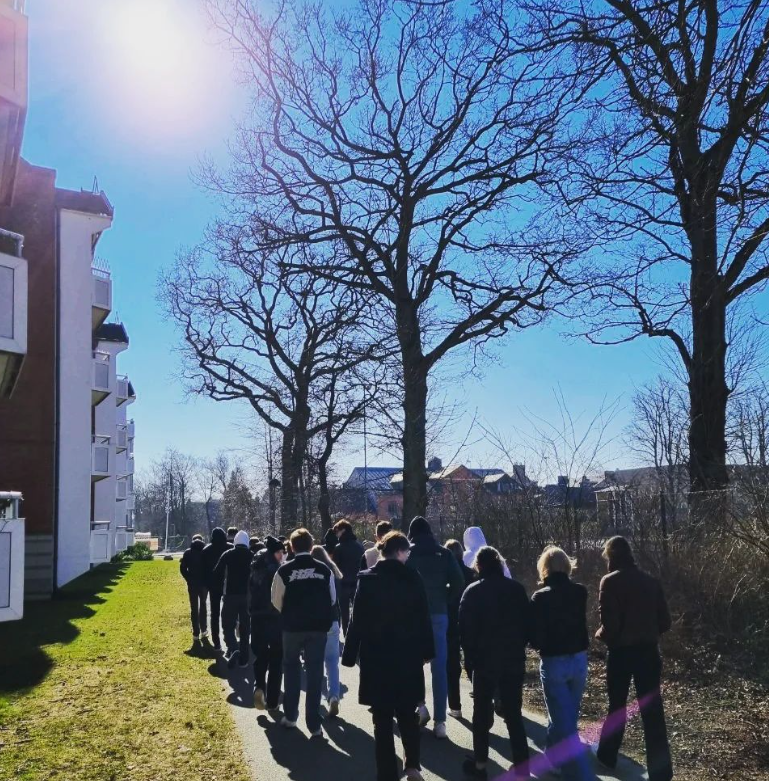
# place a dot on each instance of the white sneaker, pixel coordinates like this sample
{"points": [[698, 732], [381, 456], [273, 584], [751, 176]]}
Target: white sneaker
{"points": [[456, 714], [440, 729], [333, 707], [424, 716], [284, 722], [413, 774], [259, 699], [317, 734], [196, 638]]}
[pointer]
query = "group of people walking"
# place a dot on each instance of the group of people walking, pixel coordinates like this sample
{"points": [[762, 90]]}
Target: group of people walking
{"points": [[409, 601]]}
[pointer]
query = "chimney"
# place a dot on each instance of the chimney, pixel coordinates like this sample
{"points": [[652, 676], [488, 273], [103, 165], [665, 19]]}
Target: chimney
{"points": [[434, 465], [563, 481]]}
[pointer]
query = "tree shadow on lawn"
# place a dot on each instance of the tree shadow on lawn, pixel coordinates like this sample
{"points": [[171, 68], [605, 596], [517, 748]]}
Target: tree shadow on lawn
{"points": [[23, 660]]}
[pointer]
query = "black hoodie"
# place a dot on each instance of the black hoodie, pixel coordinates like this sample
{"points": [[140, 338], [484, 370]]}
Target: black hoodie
{"points": [[191, 565], [347, 556], [211, 555], [263, 569]]}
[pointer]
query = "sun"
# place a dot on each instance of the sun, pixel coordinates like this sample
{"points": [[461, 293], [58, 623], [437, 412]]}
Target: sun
{"points": [[164, 69]]}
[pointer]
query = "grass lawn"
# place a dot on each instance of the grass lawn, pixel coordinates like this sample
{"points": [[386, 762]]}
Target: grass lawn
{"points": [[96, 685]]}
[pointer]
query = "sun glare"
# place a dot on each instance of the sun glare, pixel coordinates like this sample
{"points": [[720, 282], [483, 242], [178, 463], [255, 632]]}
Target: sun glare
{"points": [[164, 70]]}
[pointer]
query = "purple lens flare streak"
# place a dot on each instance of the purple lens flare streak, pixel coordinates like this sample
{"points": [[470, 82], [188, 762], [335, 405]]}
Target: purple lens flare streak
{"points": [[574, 745]]}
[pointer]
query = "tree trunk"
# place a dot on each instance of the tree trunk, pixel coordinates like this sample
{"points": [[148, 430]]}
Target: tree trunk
{"points": [[324, 501], [708, 392], [414, 415], [289, 481]]}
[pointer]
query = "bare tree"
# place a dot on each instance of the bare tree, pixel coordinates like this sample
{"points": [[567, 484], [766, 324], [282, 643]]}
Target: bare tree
{"points": [[410, 138], [212, 481], [674, 179], [253, 333]]}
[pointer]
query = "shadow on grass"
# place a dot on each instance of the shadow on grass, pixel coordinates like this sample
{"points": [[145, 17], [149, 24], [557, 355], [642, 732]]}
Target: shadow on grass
{"points": [[23, 660]]}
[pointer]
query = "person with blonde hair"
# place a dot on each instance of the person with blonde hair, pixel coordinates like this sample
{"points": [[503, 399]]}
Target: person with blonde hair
{"points": [[559, 633], [331, 659]]}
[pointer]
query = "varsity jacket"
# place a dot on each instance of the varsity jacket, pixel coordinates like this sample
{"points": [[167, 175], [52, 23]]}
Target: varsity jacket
{"points": [[303, 591]]}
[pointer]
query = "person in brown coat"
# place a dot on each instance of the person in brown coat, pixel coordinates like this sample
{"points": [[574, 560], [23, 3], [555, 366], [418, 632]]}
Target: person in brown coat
{"points": [[634, 614]]}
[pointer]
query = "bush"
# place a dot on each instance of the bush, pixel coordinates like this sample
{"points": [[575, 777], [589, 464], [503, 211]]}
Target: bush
{"points": [[137, 552]]}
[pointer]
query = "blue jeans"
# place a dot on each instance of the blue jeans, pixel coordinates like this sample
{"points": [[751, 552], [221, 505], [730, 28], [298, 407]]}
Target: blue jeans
{"points": [[563, 682], [333, 691], [440, 678], [313, 644]]}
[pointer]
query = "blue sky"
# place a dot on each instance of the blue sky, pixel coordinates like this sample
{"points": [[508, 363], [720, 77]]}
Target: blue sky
{"points": [[134, 92]]}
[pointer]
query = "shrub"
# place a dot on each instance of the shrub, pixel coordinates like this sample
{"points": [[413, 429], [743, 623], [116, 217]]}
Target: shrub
{"points": [[139, 551]]}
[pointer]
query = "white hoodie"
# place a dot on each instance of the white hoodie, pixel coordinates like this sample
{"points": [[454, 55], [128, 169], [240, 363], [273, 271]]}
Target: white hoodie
{"points": [[241, 538], [474, 540]]}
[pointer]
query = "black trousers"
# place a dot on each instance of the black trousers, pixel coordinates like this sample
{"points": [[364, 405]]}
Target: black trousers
{"points": [[198, 611], [454, 669], [384, 740], [642, 665], [510, 690], [345, 596], [267, 645], [215, 598], [234, 613]]}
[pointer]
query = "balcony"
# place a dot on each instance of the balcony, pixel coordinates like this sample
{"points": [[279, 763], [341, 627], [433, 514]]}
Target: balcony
{"points": [[121, 441], [100, 458], [13, 92], [129, 466], [14, 296], [101, 542], [100, 380], [130, 503], [122, 390], [101, 295], [121, 490]]}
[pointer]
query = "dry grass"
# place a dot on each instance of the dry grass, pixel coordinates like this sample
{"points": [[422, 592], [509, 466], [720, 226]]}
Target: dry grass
{"points": [[96, 686]]}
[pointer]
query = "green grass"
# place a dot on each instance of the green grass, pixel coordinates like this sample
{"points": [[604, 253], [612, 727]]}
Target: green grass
{"points": [[98, 685]]}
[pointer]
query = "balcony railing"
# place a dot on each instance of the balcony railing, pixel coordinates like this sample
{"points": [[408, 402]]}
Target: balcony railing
{"points": [[14, 296], [121, 441], [122, 390], [100, 457], [121, 490], [100, 381], [101, 295], [129, 466]]}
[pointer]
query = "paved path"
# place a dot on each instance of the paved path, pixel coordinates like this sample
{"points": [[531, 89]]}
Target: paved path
{"points": [[347, 753]]}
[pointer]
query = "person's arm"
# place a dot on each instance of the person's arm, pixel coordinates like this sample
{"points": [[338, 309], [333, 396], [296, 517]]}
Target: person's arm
{"points": [[609, 612], [278, 591], [538, 626], [352, 639], [183, 566], [456, 579], [220, 567], [332, 588], [468, 625], [423, 608], [663, 612]]}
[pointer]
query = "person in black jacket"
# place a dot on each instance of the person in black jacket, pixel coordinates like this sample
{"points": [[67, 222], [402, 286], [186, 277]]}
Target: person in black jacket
{"points": [[347, 556], [215, 585], [494, 626], [191, 567], [559, 633], [304, 593], [391, 636], [235, 567], [454, 650], [266, 633]]}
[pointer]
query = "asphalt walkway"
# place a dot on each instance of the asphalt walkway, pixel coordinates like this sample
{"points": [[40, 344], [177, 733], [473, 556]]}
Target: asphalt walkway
{"points": [[347, 751]]}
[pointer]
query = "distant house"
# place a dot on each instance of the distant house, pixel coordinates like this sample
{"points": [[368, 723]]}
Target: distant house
{"points": [[565, 493], [368, 490]]}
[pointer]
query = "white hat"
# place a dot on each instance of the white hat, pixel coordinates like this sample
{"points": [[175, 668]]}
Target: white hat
{"points": [[241, 538]]}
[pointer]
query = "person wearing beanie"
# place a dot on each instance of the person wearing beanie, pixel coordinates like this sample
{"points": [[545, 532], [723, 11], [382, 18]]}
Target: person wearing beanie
{"points": [[191, 568], [215, 585], [266, 631], [255, 545], [444, 584], [235, 568]]}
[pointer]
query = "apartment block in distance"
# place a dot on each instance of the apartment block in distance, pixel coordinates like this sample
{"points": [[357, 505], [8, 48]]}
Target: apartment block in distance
{"points": [[66, 443]]}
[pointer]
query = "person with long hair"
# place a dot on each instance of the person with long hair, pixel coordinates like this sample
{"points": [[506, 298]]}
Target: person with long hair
{"points": [[559, 614], [454, 650], [390, 635], [494, 628], [331, 659]]}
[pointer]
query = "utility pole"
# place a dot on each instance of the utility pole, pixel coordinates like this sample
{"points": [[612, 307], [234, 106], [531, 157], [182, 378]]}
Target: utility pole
{"points": [[168, 507], [365, 460]]}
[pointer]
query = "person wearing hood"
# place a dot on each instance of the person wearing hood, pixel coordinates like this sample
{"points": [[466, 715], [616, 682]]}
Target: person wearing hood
{"points": [[235, 567], [494, 628], [266, 629], [191, 568], [347, 556], [474, 540], [444, 584], [215, 585], [330, 541]]}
